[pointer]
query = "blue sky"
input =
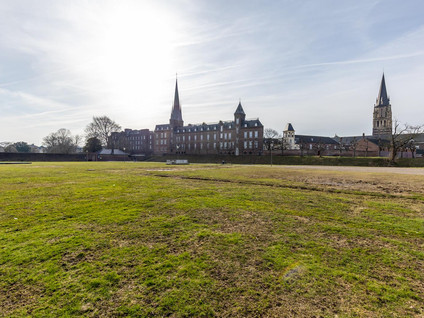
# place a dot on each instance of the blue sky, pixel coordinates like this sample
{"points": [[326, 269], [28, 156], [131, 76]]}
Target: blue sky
{"points": [[316, 64]]}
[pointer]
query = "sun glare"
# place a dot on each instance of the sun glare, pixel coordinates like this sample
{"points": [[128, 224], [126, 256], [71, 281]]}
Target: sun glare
{"points": [[133, 44]]}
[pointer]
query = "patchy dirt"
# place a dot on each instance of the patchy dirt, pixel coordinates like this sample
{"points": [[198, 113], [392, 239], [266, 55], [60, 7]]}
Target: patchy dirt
{"points": [[389, 180]]}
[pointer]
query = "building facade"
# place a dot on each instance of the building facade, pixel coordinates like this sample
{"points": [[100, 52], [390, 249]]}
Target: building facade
{"points": [[133, 141], [240, 136]]}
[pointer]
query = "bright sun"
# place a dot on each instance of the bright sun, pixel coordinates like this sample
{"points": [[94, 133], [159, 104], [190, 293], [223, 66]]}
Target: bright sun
{"points": [[131, 46]]}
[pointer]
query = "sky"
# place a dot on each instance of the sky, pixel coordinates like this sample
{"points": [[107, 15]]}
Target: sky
{"points": [[315, 64]]}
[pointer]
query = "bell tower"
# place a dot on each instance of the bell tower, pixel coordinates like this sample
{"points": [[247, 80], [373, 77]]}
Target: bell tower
{"points": [[382, 116]]}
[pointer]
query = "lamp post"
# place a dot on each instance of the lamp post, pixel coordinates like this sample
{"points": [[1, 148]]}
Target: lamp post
{"points": [[272, 146]]}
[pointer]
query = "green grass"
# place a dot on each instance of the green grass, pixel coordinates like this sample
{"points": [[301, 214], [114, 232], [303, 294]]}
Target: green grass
{"points": [[145, 239]]}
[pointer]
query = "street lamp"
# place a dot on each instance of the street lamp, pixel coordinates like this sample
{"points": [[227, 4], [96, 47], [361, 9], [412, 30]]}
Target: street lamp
{"points": [[272, 146]]}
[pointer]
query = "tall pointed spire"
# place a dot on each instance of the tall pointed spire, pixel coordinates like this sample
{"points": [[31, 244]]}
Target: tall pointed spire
{"points": [[382, 99], [239, 109], [382, 115], [176, 115]]}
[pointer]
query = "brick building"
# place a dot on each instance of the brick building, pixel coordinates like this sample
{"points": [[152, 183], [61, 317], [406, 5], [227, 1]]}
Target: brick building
{"points": [[133, 141], [236, 137]]}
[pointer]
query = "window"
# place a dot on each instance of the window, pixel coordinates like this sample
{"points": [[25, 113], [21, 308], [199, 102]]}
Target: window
{"points": [[229, 135], [237, 121], [222, 128], [245, 134], [250, 134], [256, 134], [245, 144], [256, 145]]}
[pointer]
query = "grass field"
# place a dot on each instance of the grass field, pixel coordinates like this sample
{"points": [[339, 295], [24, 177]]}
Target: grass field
{"points": [[150, 240]]}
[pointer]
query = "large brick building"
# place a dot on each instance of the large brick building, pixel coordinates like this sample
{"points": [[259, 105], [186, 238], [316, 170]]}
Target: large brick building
{"points": [[133, 141], [237, 137]]}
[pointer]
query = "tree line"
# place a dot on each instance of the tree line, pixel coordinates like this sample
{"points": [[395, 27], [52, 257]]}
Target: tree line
{"points": [[97, 136]]}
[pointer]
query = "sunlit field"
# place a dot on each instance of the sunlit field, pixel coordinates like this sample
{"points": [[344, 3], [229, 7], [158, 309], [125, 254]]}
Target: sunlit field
{"points": [[149, 240]]}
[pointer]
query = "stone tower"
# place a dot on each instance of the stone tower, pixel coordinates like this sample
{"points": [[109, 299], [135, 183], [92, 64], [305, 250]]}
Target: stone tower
{"points": [[239, 118], [176, 119], [289, 137], [382, 116]]}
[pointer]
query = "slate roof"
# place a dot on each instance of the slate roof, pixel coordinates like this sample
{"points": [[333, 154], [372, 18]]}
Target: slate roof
{"points": [[239, 109], [382, 99], [314, 140], [216, 126], [176, 107], [346, 140], [289, 127], [105, 151], [163, 127]]}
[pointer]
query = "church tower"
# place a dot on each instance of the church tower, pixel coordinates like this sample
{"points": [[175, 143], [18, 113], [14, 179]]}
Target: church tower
{"points": [[382, 116], [176, 119], [239, 118]]}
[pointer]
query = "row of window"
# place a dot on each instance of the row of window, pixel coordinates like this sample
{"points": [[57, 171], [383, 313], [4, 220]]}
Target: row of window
{"points": [[222, 145], [138, 137]]}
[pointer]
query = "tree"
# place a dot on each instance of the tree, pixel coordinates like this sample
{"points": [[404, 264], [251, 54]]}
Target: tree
{"points": [[353, 145], [61, 141], [101, 128], [319, 147], [10, 148], [403, 138], [22, 146], [93, 144], [269, 137]]}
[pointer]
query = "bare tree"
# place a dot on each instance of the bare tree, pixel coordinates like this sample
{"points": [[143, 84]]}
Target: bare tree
{"points": [[319, 147], [101, 128], [403, 138], [61, 141], [353, 145], [269, 137]]}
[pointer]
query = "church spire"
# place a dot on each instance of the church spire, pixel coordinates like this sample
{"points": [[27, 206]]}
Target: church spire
{"points": [[382, 99], [176, 116], [382, 116]]}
